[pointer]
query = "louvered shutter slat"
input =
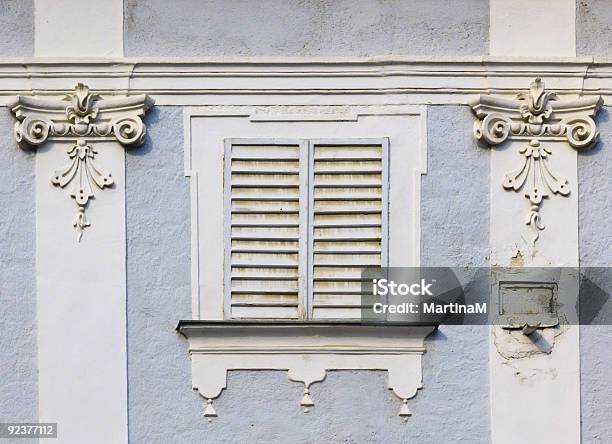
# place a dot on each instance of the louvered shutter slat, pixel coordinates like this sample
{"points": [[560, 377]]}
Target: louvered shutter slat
{"points": [[348, 219], [264, 234], [278, 229]]}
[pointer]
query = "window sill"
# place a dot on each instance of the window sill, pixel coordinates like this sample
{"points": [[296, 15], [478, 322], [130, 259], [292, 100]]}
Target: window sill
{"points": [[307, 350]]}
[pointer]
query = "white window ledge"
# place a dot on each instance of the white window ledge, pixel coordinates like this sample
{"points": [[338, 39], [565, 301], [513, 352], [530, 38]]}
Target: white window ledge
{"points": [[307, 350]]}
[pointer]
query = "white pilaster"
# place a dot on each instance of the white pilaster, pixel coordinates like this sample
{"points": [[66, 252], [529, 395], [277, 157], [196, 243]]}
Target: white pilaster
{"points": [[80, 257], [78, 28], [81, 304], [532, 28], [535, 380], [534, 398], [81, 286]]}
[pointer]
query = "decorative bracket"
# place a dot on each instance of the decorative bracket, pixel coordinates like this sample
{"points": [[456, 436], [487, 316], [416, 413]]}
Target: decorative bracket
{"points": [[307, 350], [77, 118], [533, 118]]}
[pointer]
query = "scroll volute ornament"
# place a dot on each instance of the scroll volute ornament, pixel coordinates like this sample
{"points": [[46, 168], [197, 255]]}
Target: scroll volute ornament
{"points": [[79, 116], [537, 117]]}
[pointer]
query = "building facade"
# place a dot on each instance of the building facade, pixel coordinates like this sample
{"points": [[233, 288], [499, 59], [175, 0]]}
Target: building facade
{"points": [[189, 187]]}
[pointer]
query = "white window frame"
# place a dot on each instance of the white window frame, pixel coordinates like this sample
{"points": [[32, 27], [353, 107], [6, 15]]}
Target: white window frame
{"points": [[206, 128], [307, 349]]}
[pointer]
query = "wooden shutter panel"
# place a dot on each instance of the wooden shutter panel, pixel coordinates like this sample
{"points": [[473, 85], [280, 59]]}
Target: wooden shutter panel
{"points": [[348, 226], [266, 206]]}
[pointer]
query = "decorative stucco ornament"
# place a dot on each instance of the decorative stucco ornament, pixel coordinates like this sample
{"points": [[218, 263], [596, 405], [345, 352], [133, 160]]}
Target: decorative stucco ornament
{"points": [[79, 116], [533, 118]]}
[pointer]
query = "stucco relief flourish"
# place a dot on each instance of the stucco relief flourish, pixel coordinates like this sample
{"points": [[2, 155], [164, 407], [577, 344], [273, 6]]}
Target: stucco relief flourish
{"points": [[79, 116], [533, 118]]}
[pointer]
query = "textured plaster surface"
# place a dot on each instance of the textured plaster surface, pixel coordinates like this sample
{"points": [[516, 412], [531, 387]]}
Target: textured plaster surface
{"points": [[16, 28], [454, 232], [263, 406], [18, 349], [595, 185], [593, 28], [305, 27], [157, 208]]}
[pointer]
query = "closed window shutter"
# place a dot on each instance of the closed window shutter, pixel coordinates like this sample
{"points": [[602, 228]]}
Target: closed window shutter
{"points": [[266, 249], [348, 221]]}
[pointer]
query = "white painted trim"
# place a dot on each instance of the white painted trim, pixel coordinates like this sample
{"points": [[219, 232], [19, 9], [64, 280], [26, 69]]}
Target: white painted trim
{"points": [[310, 236], [227, 228], [195, 241], [305, 276], [384, 229]]}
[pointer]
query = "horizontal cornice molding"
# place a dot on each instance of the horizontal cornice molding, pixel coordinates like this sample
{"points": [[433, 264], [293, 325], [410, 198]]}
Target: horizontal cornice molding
{"points": [[196, 81]]}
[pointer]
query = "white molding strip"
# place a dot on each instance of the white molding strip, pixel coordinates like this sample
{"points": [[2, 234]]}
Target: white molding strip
{"points": [[268, 81]]}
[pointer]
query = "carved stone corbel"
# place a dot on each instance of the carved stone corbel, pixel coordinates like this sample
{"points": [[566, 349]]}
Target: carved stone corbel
{"points": [[80, 117], [536, 117]]}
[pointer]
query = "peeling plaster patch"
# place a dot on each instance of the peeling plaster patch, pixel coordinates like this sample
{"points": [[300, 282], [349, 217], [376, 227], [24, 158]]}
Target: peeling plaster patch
{"points": [[534, 375], [517, 259], [512, 344]]}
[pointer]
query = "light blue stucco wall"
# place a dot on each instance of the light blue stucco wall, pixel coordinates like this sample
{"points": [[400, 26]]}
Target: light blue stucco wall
{"points": [[161, 405], [16, 28], [305, 27], [263, 406], [595, 231], [18, 350], [456, 365]]}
